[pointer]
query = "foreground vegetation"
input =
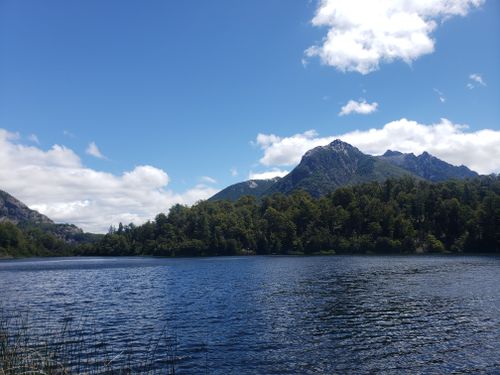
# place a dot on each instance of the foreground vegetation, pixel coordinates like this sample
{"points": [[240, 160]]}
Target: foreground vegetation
{"points": [[396, 216], [70, 351]]}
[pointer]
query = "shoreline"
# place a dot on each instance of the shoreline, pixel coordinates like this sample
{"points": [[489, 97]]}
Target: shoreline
{"points": [[313, 255]]}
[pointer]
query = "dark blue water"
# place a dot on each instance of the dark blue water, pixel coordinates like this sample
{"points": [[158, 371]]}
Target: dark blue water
{"points": [[274, 315]]}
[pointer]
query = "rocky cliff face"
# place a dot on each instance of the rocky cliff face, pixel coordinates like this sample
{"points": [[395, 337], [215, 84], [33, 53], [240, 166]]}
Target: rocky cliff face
{"points": [[17, 212]]}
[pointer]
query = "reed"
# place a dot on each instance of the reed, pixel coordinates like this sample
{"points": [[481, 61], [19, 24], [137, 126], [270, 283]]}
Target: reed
{"points": [[68, 350]]}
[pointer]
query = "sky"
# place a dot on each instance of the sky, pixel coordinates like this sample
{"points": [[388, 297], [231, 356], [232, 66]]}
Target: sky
{"points": [[113, 111]]}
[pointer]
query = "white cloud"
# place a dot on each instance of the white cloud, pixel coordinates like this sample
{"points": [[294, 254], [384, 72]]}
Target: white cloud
{"points": [[441, 96], [288, 150], [454, 143], [208, 180], [275, 172], [234, 172], [477, 78], [364, 33], [264, 140], [361, 107], [94, 151], [56, 183]]}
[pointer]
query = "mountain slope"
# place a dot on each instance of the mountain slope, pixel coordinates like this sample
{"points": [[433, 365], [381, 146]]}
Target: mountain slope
{"points": [[427, 166], [325, 168], [15, 211], [254, 188]]}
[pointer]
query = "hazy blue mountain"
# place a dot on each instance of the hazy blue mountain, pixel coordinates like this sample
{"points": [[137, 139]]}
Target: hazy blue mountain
{"points": [[255, 188], [427, 166], [325, 168]]}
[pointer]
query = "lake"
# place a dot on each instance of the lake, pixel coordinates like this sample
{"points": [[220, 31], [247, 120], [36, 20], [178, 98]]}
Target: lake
{"points": [[271, 315]]}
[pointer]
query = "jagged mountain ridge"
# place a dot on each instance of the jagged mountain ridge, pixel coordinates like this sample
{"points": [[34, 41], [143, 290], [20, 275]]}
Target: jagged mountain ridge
{"points": [[427, 166], [326, 168]]}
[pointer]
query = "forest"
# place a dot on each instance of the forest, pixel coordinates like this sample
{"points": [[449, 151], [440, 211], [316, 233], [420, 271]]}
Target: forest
{"points": [[26, 241], [398, 216]]}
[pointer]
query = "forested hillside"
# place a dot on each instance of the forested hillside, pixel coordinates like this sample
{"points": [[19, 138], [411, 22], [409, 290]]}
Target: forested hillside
{"points": [[396, 216], [24, 242], [25, 232]]}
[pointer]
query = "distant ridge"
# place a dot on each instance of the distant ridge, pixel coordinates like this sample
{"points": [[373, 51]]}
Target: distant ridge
{"points": [[428, 166], [254, 188]]}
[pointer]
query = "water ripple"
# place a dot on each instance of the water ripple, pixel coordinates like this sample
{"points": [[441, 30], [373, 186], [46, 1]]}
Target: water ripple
{"points": [[271, 315]]}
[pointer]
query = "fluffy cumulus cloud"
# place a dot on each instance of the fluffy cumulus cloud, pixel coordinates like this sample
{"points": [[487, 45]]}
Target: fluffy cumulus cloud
{"points": [[361, 107], [454, 143], [275, 172], [364, 33], [56, 183], [287, 150]]}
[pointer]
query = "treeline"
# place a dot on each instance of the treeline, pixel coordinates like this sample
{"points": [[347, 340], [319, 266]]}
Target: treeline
{"points": [[20, 241], [396, 216], [46, 239]]}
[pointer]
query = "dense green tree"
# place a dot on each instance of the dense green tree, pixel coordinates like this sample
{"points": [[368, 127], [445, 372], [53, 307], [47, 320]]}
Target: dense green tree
{"points": [[18, 241], [396, 216]]}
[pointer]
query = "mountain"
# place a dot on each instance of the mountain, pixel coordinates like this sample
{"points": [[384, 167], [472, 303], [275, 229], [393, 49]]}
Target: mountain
{"points": [[254, 188], [16, 212], [325, 168], [427, 166]]}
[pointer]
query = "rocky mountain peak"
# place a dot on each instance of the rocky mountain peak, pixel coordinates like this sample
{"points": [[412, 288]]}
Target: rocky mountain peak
{"points": [[337, 146]]}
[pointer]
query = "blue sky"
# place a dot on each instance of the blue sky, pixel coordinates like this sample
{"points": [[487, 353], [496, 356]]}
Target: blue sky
{"points": [[186, 87]]}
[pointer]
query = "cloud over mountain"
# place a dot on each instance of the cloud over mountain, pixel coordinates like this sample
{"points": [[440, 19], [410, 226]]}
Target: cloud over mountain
{"points": [[266, 175], [56, 183], [454, 143]]}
